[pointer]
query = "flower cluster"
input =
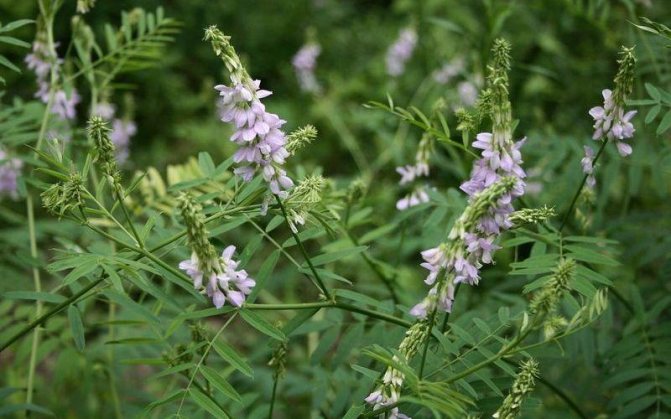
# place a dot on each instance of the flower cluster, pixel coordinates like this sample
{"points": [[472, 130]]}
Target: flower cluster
{"points": [[122, 130], [496, 179], [304, 63], [257, 132], [389, 391], [587, 164], [10, 169], [610, 120], [468, 248], [410, 173], [42, 62], [224, 281], [401, 51]]}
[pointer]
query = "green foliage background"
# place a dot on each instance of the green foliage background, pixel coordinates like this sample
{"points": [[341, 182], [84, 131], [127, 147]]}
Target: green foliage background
{"points": [[563, 55]]}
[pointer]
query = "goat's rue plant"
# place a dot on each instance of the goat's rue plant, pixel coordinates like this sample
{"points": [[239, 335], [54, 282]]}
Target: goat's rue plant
{"points": [[261, 286]]}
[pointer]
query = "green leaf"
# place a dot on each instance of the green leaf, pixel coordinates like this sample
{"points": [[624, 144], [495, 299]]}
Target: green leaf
{"points": [[32, 295], [207, 403], [652, 91], [4, 61], [219, 383], [12, 408], [585, 254], [76, 326], [15, 25], [337, 255], [262, 325], [232, 357], [665, 124], [354, 412], [14, 41], [206, 164]]}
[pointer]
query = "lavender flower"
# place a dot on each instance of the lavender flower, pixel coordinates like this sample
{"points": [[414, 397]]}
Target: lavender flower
{"points": [[410, 173], [224, 281], [496, 179], [449, 70], [42, 62], [10, 169], [257, 131], [230, 284], [120, 136], [389, 391], [610, 120], [304, 63], [468, 93], [587, 166], [401, 51]]}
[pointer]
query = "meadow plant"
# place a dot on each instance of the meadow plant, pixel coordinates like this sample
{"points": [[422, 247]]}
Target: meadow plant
{"points": [[224, 279]]}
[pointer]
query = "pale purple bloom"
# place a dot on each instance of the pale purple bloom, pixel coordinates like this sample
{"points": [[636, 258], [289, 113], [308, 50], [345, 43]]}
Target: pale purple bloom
{"points": [[305, 62], [416, 197], [258, 133], [104, 110], [10, 169], [121, 133], [587, 166], [444, 74], [401, 51], [41, 61], [229, 284], [611, 122], [468, 93], [64, 104]]}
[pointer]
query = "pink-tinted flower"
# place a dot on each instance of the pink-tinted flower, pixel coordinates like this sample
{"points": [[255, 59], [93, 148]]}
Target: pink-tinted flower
{"points": [[401, 51], [305, 62], [10, 168]]}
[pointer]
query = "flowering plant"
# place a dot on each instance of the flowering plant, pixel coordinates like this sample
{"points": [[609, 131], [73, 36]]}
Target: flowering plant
{"points": [[196, 245]]}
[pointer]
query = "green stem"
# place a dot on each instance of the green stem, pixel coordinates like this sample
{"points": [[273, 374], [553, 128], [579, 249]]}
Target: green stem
{"points": [[582, 185], [425, 350], [272, 398], [320, 283], [331, 304], [30, 207], [128, 219]]}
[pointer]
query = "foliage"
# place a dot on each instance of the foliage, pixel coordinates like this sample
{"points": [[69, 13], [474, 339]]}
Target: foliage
{"points": [[100, 318]]}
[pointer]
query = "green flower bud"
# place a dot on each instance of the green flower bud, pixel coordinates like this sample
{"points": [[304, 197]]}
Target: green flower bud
{"points": [[524, 384]]}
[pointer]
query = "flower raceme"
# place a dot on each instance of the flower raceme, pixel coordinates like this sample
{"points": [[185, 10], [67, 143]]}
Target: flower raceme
{"points": [[304, 63], [257, 132], [468, 248], [42, 62], [10, 169], [217, 276], [228, 284], [401, 51], [611, 122]]}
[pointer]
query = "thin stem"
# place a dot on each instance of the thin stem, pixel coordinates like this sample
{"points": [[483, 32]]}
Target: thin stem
{"points": [[422, 363], [331, 304], [128, 219], [30, 207], [582, 185], [272, 398], [320, 283]]}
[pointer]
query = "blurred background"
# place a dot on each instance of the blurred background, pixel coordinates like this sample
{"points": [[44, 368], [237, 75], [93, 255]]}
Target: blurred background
{"points": [[564, 54]]}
